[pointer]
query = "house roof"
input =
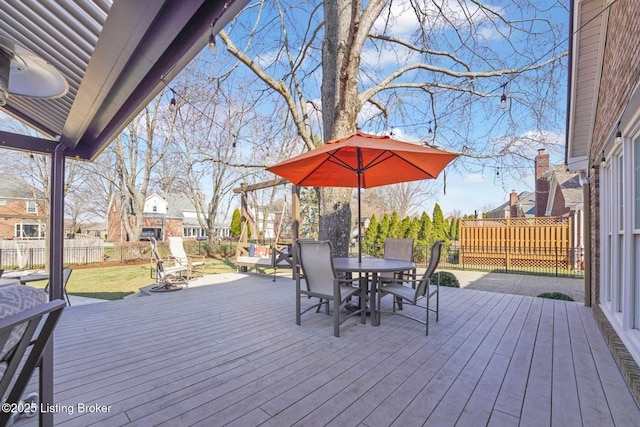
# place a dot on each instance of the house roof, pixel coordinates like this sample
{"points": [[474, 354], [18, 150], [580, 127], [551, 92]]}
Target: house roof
{"points": [[177, 204], [568, 183], [14, 188], [115, 57], [524, 198]]}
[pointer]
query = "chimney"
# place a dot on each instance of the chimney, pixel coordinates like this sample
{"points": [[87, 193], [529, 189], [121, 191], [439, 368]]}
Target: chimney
{"points": [[542, 163], [542, 184], [513, 199]]}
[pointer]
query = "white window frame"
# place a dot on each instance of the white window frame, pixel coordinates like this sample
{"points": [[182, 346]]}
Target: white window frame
{"points": [[32, 207], [620, 237], [18, 230]]}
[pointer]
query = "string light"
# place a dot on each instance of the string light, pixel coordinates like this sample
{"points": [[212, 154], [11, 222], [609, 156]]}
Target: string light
{"points": [[503, 97], [173, 106], [619, 135], [212, 41]]}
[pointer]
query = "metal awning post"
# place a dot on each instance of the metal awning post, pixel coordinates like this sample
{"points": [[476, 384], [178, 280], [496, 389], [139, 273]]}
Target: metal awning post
{"points": [[56, 223], [56, 250]]}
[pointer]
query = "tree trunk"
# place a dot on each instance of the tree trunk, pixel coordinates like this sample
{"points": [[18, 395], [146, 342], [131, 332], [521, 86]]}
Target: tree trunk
{"points": [[335, 218], [340, 104]]}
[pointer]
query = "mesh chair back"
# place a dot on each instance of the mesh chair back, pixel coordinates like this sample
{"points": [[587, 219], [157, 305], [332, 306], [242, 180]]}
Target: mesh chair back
{"points": [[317, 265], [398, 249], [177, 250], [434, 259]]}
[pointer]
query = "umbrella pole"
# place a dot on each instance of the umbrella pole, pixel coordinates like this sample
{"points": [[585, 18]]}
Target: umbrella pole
{"points": [[359, 172]]}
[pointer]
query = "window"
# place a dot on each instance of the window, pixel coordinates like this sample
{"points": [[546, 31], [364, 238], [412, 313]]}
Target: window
{"points": [[32, 207], [636, 171], [29, 231]]}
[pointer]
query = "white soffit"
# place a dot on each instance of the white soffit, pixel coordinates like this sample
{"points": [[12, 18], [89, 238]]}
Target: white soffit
{"points": [[588, 49]]}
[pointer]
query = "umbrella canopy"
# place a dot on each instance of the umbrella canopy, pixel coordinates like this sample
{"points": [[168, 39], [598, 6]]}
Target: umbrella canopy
{"points": [[362, 160], [383, 161]]}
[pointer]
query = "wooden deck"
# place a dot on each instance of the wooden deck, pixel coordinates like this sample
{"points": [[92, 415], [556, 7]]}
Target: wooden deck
{"points": [[231, 354]]}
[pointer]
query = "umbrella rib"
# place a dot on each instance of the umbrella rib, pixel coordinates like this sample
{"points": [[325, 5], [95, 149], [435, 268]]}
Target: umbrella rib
{"points": [[378, 160], [340, 162], [330, 159]]}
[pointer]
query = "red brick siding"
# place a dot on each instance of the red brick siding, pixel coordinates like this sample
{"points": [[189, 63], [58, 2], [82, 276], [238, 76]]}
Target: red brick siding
{"points": [[18, 207], [620, 76], [173, 228], [558, 208]]}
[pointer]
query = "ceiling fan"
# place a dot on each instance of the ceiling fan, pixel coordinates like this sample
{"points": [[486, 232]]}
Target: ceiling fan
{"points": [[23, 73]]}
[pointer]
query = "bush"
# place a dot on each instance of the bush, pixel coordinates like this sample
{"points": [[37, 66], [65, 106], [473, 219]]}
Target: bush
{"points": [[446, 279], [556, 295]]}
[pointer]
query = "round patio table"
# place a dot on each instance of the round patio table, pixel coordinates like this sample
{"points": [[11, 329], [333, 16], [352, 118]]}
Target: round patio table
{"points": [[373, 266]]}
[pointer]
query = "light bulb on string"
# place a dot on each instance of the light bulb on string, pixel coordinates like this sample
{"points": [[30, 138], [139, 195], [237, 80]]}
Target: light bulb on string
{"points": [[173, 104], [503, 97], [212, 41], [619, 135]]}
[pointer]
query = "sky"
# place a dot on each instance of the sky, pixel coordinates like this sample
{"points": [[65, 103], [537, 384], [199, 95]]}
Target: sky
{"points": [[476, 187]]}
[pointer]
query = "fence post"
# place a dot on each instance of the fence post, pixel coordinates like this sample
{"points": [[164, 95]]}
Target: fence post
{"points": [[556, 260], [507, 259]]}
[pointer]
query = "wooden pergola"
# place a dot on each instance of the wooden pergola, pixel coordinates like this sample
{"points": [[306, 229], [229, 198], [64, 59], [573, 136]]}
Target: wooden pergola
{"points": [[295, 204]]}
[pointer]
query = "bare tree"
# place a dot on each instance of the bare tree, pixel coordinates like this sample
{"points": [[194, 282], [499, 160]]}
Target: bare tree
{"points": [[438, 69], [404, 198], [127, 166]]}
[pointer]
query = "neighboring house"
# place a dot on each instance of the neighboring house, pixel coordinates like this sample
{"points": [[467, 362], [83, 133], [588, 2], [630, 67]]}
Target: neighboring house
{"points": [[22, 210], [603, 144], [519, 206], [166, 215], [73, 230], [557, 193], [565, 199]]}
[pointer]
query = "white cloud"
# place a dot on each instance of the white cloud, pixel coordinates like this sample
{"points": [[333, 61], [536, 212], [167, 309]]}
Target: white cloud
{"points": [[474, 178], [401, 19]]}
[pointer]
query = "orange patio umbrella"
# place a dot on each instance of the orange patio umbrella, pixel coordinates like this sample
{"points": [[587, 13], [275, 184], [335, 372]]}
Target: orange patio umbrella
{"points": [[361, 161]]}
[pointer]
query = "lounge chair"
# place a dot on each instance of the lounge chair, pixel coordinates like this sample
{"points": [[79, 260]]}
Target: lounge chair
{"points": [[27, 321], [168, 278], [193, 263]]}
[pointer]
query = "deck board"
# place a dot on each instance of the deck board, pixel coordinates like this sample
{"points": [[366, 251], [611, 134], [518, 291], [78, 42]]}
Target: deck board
{"points": [[231, 354]]}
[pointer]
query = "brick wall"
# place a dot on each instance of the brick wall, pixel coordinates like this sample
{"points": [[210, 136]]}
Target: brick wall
{"points": [[620, 76], [115, 231], [16, 211], [542, 185], [559, 208], [173, 228]]}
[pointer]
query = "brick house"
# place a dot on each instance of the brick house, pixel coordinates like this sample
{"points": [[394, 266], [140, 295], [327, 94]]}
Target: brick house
{"points": [[22, 210], [166, 215], [557, 193], [603, 144]]}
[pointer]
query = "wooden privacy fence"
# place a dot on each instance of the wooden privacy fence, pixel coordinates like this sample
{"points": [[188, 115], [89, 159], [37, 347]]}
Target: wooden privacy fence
{"points": [[536, 242]]}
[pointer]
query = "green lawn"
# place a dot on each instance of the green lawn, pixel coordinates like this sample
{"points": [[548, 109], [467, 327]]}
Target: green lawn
{"points": [[111, 283]]}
